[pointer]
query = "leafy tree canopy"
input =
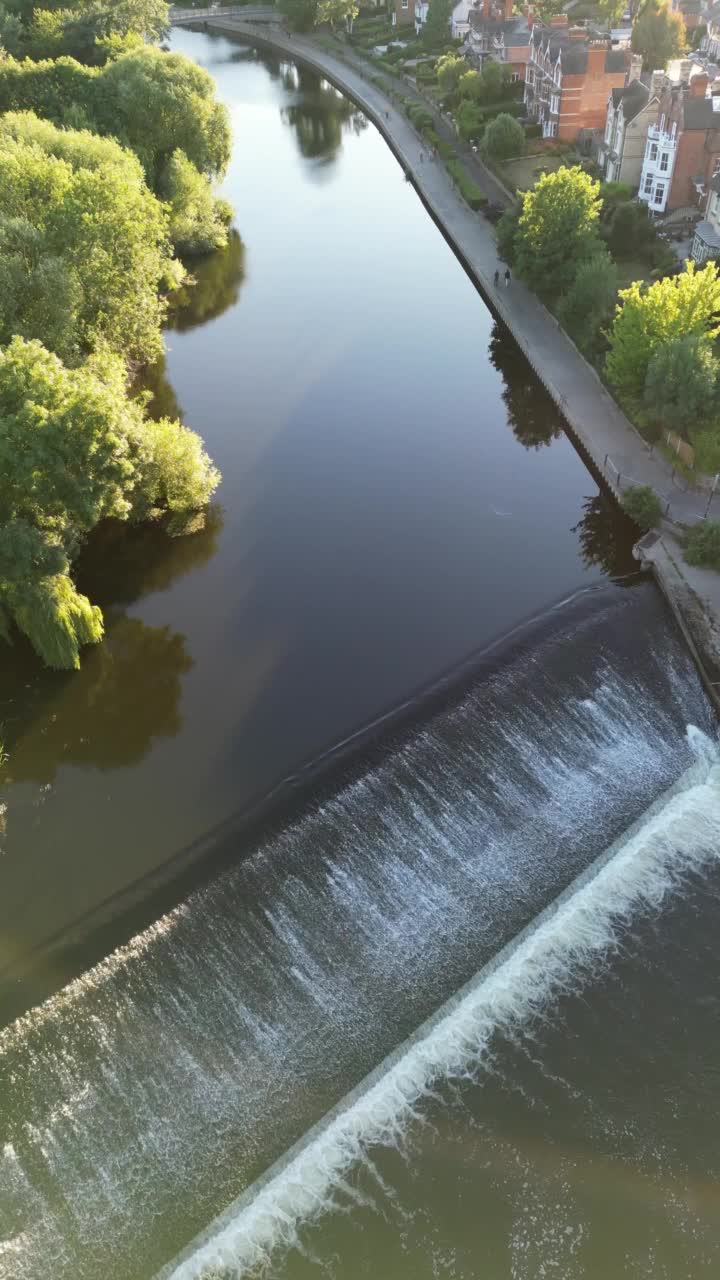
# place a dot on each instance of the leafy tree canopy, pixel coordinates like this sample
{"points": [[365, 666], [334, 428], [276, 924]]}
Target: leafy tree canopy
{"points": [[75, 210], [674, 307], [681, 382], [74, 449], [450, 69], [557, 229], [504, 137], [301, 15], [85, 30], [589, 302], [658, 34], [155, 103]]}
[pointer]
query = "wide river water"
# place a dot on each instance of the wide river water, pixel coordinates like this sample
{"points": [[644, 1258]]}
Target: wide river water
{"points": [[466, 998]]}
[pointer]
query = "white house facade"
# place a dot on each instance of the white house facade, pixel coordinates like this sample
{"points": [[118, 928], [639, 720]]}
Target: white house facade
{"points": [[658, 165]]}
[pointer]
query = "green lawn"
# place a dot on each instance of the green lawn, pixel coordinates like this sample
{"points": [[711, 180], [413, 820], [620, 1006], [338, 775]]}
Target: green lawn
{"points": [[522, 174], [630, 269]]}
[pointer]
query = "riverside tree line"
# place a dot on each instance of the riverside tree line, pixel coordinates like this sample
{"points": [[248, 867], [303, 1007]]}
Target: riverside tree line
{"points": [[109, 149]]}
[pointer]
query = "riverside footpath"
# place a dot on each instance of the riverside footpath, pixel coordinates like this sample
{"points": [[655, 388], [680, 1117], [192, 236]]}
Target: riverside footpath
{"points": [[610, 442]]}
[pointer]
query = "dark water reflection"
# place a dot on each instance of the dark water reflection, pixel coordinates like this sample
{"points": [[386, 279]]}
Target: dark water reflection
{"points": [[397, 492]]}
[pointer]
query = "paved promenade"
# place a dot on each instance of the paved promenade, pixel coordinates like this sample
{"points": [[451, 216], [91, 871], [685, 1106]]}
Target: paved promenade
{"points": [[613, 444]]}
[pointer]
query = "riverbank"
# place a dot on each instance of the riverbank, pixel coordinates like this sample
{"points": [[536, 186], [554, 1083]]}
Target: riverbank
{"points": [[611, 443]]}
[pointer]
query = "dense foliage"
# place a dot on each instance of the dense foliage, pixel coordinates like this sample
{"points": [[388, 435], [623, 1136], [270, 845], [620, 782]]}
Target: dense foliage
{"points": [[504, 137], [161, 106], [557, 229], [681, 382], [89, 30], [647, 317], [106, 160], [74, 449], [658, 34], [643, 506], [702, 544], [588, 303], [85, 244]]}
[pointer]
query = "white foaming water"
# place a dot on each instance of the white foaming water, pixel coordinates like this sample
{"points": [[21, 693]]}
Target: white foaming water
{"points": [[678, 835]]}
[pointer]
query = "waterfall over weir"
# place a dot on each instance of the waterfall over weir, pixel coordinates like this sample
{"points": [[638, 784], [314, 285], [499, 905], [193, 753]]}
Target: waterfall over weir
{"points": [[151, 1093]]}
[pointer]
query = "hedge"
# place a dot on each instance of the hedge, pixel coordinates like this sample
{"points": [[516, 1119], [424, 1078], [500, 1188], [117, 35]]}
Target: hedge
{"points": [[469, 190]]}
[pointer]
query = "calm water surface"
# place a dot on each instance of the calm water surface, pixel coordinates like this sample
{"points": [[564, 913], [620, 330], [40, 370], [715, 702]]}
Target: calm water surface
{"points": [[397, 493]]}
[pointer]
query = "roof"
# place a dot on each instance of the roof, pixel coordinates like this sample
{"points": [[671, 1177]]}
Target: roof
{"points": [[699, 113], [514, 31], [707, 233], [634, 97], [575, 52]]}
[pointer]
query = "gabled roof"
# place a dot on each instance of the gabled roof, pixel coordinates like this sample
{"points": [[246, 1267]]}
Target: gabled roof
{"points": [[634, 97]]}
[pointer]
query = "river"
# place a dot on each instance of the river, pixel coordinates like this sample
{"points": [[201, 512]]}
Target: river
{"points": [[398, 496]]}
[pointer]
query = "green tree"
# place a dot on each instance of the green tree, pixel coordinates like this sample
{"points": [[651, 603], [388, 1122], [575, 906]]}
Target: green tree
{"points": [[588, 303], [642, 504], [334, 11], [506, 233], [198, 221], [76, 206], [301, 14], [469, 120], [557, 230], [658, 34], [449, 70], [647, 317], [681, 382], [504, 137], [75, 449], [158, 103], [436, 29], [630, 230]]}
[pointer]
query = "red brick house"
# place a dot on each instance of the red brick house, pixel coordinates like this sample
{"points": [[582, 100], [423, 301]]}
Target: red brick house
{"points": [[569, 76], [682, 153]]}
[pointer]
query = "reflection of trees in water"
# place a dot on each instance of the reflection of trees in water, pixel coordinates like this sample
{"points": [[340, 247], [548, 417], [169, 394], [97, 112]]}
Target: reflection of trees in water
{"points": [[216, 282], [122, 563], [606, 536], [532, 414], [319, 115], [126, 694]]}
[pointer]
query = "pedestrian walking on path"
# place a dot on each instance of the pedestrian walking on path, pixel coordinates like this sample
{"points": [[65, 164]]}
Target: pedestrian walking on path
{"points": [[507, 277], [422, 156], [496, 278]]}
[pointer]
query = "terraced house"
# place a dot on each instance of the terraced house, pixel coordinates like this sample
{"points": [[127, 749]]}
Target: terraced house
{"points": [[570, 74], [682, 154]]}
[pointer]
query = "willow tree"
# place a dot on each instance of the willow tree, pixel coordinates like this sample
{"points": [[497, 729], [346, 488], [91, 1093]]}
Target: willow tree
{"points": [[75, 449]]}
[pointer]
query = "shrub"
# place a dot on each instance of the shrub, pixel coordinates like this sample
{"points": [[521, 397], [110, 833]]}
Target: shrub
{"points": [[533, 130], [702, 544], [504, 137], [643, 506], [469, 190]]}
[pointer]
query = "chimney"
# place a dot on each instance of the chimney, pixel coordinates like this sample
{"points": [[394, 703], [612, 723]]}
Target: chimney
{"points": [[657, 83], [596, 59], [560, 20], [576, 33], [698, 86], [508, 10], [635, 68], [685, 69]]}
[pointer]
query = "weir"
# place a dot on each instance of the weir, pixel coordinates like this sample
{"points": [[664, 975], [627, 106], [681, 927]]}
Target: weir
{"points": [[676, 836], [150, 1093]]}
